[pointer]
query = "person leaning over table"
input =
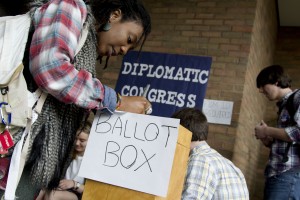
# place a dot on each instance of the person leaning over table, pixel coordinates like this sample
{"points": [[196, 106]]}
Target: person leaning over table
{"points": [[114, 28]]}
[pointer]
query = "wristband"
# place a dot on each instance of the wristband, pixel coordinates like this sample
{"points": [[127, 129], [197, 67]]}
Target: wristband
{"points": [[76, 185]]}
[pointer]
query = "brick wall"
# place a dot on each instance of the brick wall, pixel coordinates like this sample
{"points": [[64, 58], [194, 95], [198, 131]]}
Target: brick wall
{"points": [[240, 37], [248, 150]]}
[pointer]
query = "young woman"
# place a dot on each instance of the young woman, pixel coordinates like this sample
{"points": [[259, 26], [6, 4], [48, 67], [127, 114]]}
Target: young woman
{"points": [[113, 28], [72, 186]]}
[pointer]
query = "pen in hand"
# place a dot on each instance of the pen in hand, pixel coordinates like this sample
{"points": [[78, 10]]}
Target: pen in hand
{"points": [[148, 111], [145, 91]]}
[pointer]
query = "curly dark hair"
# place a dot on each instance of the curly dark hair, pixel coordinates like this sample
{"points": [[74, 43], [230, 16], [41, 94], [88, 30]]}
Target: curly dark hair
{"points": [[11, 8], [132, 10]]}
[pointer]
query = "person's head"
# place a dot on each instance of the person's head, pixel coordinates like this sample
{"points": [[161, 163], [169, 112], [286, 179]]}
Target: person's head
{"points": [[195, 121], [271, 80], [128, 22], [82, 135]]}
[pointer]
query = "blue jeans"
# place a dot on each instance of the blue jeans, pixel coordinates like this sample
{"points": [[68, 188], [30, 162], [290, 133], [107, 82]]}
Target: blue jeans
{"points": [[285, 186]]}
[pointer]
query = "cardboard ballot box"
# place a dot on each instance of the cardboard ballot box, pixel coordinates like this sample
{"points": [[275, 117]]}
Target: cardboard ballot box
{"points": [[101, 191]]}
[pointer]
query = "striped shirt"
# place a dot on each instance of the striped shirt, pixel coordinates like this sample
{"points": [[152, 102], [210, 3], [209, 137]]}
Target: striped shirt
{"points": [[58, 25], [275, 165], [211, 176]]}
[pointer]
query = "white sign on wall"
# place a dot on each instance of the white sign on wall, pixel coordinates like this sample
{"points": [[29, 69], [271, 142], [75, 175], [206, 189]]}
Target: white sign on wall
{"points": [[132, 151], [218, 112]]}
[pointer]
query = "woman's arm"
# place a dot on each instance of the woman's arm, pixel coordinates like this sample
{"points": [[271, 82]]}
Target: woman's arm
{"points": [[58, 25], [66, 184]]}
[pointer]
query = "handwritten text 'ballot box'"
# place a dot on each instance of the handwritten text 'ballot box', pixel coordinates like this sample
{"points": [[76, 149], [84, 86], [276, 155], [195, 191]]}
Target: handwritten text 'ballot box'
{"points": [[133, 151]]}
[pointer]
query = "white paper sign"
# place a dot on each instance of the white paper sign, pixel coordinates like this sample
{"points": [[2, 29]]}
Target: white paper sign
{"points": [[218, 112], [132, 151]]}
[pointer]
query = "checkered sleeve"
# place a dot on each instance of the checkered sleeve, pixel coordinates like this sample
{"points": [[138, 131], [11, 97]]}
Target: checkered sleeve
{"points": [[58, 26]]}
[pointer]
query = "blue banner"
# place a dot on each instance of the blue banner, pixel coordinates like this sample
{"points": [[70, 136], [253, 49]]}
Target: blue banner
{"points": [[176, 81]]}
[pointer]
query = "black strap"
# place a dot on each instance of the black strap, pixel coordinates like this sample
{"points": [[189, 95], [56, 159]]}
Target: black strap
{"points": [[285, 157], [289, 105]]}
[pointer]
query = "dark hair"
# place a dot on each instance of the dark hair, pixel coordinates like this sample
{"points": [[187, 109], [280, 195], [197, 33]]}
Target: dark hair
{"points": [[195, 121], [271, 75], [132, 10], [11, 8]]}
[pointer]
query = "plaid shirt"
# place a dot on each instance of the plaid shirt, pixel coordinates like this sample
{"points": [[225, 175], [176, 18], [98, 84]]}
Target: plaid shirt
{"points": [[211, 176], [58, 26], [275, 165]]}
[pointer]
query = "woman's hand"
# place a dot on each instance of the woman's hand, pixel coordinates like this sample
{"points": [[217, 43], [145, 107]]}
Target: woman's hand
{"points": [[65, 184], [134, 104]]}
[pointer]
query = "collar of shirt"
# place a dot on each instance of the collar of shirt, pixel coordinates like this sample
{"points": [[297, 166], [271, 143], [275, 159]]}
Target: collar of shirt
{"points": [[201, 148], [283, 100]]}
